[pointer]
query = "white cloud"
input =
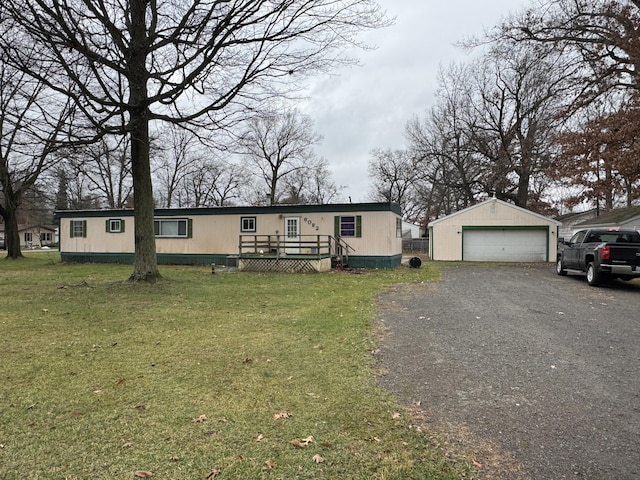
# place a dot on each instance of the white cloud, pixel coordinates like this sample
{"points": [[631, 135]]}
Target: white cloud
{"points": [[367, 107]]}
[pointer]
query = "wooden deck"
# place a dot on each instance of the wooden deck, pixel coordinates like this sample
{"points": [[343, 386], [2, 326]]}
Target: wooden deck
{"points": [[305, 254]]}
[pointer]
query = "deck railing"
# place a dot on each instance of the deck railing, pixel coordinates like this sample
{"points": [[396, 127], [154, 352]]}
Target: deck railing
{"points": [[279, 246]]}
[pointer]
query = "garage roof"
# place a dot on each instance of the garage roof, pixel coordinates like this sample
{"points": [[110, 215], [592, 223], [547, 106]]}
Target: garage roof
{"points": [[494, 200]]}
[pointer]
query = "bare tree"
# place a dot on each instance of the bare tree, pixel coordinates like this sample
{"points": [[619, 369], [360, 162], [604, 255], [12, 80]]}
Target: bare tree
{"points": [[602, 35], [33, 123], [213, 184], [450, 170], [179, 156], [311, 185], [393, 177], [518, 95], [320, 187], [279, 145], [204, 62], [106, 168]]}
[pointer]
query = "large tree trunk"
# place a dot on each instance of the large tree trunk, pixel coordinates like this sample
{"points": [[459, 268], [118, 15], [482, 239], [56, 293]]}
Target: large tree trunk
{"points": [[146, 262], [11, 235]]}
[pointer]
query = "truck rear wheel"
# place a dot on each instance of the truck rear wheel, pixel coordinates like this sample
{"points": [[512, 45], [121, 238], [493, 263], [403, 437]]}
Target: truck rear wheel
{"points": [[594, 278]]}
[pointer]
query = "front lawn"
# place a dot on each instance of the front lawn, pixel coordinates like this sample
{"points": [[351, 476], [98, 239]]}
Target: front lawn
{"points": [[226, 376]]}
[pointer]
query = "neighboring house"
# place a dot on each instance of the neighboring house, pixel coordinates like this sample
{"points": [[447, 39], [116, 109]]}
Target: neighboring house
{"points": [[570, 220], [628, 217], [35, 236], [494, 230], [364, 235]]}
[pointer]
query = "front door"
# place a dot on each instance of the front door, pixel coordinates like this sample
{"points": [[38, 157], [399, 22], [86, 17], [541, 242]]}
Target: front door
{"points": [[292, 234]]}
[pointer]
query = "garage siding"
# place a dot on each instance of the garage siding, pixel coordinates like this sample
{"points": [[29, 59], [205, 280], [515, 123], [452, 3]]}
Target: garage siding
{"points": [[505, 245], [494, 230]]}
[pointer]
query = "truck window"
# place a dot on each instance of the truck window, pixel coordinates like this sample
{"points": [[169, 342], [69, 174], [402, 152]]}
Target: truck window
{"points": [[627, 237], [577, 238], [594, 237]]}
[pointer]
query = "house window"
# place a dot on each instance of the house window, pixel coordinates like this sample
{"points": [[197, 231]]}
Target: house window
{"points": [[46, 237], [28, 237], [398, 227], [115, 225], [247, 224], [348, 226], [78, 228], [174, 227]]}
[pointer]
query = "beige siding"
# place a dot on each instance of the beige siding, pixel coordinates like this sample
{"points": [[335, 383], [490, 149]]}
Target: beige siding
{"points": [[219, 234], [97, 239], [446, 233]]}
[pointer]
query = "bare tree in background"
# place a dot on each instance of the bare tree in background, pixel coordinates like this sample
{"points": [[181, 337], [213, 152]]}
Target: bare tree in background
{"points": [[179, 155], [599, 36], [491, 130], [33, 124], [320, 187], [214, 184], [311, 185], [394, 176], [106, 166], [205, 63], [190, 173], [278, 145], [451, 172], [518, 95]]}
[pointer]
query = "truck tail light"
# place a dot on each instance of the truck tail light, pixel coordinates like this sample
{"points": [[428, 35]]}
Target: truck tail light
{"points": [[605, 253]]}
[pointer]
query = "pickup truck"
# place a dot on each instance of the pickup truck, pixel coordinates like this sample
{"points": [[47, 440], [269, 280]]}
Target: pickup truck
{"points": [[603, 254]]}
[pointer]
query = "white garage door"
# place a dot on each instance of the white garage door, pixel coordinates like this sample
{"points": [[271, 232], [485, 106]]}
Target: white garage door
{"points": [[498, 245]]}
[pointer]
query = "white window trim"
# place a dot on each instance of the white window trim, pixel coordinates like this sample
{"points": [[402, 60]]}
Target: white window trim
{"points": [[248, 230], [177, 221], [115, 230]]}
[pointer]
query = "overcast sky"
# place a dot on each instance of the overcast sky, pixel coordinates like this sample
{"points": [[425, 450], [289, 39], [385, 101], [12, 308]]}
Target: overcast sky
{"points": [[367, 107]]}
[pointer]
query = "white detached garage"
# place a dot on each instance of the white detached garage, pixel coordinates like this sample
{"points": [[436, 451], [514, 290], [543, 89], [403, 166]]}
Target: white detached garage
{"points": [[494, 231]]}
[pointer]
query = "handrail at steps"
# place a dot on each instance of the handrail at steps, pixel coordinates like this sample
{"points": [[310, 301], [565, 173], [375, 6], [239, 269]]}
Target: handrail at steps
{"points": [[341, 249]]}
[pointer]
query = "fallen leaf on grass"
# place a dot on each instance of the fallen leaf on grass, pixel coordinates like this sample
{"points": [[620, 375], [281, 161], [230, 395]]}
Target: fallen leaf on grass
{"points": [[174, 458], [260, 437], [281, 415], [127, 445], [213, 473], [302, 442], [200, 419], [119, 381], [317, 458], [142, 474], [476, 464], [269, 465], [395, 415]]}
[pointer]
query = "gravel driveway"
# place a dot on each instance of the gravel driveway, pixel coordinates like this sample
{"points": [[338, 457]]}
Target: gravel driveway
{"points": [[537, 375]]}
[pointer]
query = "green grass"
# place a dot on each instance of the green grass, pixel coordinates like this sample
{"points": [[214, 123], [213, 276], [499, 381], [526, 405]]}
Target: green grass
{"points": [[100, 378]]}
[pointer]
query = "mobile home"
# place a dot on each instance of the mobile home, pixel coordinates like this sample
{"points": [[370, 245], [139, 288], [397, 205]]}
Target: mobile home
{"points": [[358, 235]]}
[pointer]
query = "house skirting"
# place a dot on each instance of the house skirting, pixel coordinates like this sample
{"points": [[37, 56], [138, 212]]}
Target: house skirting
{"points": [[355, 261], [285, 265]]}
